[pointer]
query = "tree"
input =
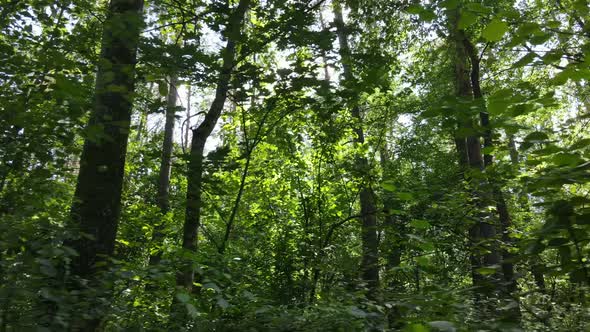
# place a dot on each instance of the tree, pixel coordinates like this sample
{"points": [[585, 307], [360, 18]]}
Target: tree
{"points": [[185, 276], [96, 206], [408, 165], [482, 232], [369, 265], [163, 198]]}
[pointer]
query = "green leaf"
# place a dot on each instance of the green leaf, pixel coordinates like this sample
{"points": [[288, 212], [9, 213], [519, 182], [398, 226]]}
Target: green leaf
{"points": [[525, 60], [573, 73], [553, 24], [536, 136], [163, 88], [420, 223], [552, 57], [415, 9], [404, 196], [449, 4], [567, 159], [395, 212], [479, 8], [581, 6], [496, 107], [426, 246], [466, 19], [427, 15], [529, 29], [212, 286], [495, 30], [540, 39], [388, 186], [509, 13], [488, 150], [581, 144], [488, 270], [423, 261]]}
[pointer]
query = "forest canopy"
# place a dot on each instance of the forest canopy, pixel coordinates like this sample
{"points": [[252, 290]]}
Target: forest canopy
{"points": [[294, 165]]}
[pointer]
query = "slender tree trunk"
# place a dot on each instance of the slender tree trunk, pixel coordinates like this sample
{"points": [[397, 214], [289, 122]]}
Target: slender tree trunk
{"points": [[96, 205], [188, 117], [501, 207], [483, 231], [163, 198], [394, 232], [185, 275], [370, 243], [167, 146], [507, 258], [324, 55], [487, 229], [235, 207], [140, 125], [143, 117], [392, 225]]}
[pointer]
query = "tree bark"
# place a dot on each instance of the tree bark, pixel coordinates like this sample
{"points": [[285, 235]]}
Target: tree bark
{"points": [[483, 232], [96, 206], [394, 229], [370, 243], [501, 207], [394, 234], [143, 117], [167, 145], [188, 117], [163, 196], [185, 275]]}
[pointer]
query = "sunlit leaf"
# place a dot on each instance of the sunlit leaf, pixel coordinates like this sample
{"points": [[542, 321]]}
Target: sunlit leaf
{"points": [[495, 30]]}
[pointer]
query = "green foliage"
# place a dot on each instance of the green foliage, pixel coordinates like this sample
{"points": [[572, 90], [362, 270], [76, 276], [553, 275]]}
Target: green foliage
{"points": [[280, 243], [495, 30]]}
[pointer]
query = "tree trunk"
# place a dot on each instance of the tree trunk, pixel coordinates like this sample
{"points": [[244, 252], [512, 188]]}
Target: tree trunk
{"points": [[188, 118], [501, 207], [507, 262], [370, 243], [394, 234], [185, 276], [393, 227], [143, 117], [483, 231], [167, 145], [163, 198], [96, 205]]}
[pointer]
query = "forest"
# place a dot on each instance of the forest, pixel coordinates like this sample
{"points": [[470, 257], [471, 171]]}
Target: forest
{"points": [[294, 165]]}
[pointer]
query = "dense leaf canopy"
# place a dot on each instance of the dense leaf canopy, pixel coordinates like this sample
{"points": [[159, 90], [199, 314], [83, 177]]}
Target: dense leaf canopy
{"points": [[300, 165]]}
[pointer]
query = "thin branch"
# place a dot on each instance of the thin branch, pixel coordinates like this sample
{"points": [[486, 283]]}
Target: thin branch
{"points": [[192, 116], [183, 22], [483, 51], [337, 224]]}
